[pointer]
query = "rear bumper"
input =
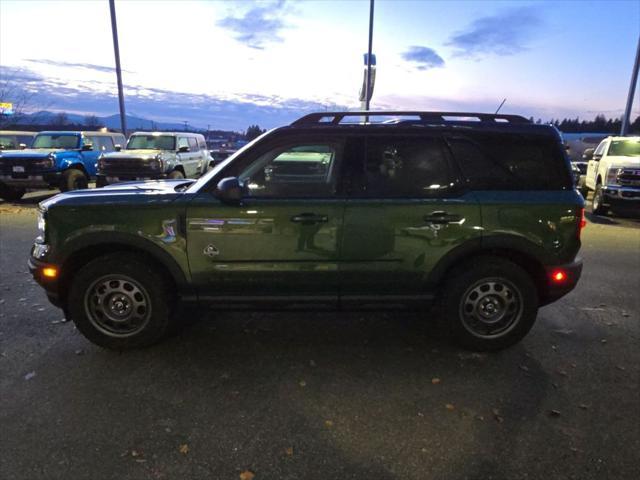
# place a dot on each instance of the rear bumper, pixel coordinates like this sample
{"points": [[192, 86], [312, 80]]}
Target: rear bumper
{"points": [[556, 289], [31, 180]]}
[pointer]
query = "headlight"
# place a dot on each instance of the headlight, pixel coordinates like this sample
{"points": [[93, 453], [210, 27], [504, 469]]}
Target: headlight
{"points": [[612, 176], [42, 225], [156, 163], [47, 162]]}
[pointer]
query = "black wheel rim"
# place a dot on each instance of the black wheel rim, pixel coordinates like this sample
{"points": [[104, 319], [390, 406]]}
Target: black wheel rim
{"points": [[491, 307], [117, 306]]}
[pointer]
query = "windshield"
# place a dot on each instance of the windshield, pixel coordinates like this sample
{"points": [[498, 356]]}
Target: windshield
{"points": [[151, 142], [202, 181], [7, 142], [625, 148], [65, 142]]}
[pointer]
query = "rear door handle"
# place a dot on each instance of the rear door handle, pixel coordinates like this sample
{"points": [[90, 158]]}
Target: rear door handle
{"points": [[309, 218], [443, 218]]}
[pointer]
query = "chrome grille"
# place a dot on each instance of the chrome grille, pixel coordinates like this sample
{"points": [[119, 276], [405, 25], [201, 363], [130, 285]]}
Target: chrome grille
{"points": [[125, 166], [629, 177]]}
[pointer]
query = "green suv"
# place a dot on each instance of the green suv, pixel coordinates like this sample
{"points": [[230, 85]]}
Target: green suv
{"points": [[475, 214]]}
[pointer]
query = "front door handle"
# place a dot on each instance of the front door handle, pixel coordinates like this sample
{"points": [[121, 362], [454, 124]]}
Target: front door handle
{"points": [[443, 218], [309, 218]]}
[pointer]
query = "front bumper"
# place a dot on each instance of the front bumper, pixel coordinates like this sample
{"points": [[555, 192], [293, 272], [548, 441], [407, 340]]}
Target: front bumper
{"points": [[31, 180], [50, 285], [557, 289], [618, 194]]}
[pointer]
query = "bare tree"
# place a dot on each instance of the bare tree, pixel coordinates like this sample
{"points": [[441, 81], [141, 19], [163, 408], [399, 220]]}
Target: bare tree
{"points": [[21, 100], [60, 118], [91, 121]]}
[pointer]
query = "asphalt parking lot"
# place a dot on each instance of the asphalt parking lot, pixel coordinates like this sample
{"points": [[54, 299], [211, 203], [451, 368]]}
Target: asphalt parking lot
{"points": [[326, 395]]}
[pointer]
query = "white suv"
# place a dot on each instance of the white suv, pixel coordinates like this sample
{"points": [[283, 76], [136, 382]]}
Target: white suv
{"points": [[613, 174]]}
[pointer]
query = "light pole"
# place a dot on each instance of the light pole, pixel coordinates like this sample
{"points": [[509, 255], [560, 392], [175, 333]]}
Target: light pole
{"points": [[632, 90], [367, 86], [116, 50]]}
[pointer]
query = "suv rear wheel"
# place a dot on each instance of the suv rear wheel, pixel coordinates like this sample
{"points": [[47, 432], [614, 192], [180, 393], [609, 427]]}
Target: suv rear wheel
{"points": [[176, 175], [119, 302], [489, 304]]}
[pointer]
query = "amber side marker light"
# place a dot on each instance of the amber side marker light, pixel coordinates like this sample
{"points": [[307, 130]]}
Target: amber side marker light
{"points": [[558, 276], [50, 272]]}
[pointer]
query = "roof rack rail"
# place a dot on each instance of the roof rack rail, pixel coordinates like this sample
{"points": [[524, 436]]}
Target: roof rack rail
{"points": [[437, 118]]}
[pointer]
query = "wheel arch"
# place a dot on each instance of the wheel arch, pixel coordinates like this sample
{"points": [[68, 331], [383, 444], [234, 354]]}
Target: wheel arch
{"points": [[528, 257], [84, 250]]}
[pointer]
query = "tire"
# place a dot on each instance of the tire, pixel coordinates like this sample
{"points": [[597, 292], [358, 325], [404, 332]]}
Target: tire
{"points": [[176, 175], [489, 304], [74, 179], [138, 294], [101, 181], [584, 191], [597, 206], [11, 194]]}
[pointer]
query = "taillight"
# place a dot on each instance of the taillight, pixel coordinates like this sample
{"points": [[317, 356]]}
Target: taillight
{"points": [[582, 222]]}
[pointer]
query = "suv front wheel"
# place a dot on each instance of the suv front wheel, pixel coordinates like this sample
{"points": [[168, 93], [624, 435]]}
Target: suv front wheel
{"points": [[119, 302], [489, 304], [597, 204]]}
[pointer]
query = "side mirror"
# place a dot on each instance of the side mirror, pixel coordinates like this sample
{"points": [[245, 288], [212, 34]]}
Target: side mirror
{"points": [[118, 147], [588, 154], [23, 146], [183, 149], [230, 190], [87, 147]]}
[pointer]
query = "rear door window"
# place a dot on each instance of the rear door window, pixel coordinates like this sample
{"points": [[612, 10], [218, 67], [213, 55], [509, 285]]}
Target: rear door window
{"points": [[403, 167], [193, 144], [513, 162]]}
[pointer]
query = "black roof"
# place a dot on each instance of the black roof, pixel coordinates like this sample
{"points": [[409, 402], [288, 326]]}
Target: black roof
{"points": [[375, 120]]}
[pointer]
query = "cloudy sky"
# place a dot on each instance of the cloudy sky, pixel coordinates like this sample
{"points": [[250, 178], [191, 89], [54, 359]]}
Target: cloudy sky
{"points": [[230, 64]]}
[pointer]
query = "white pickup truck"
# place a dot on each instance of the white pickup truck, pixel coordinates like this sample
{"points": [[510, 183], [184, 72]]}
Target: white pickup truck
{"points": [[613, 174]]}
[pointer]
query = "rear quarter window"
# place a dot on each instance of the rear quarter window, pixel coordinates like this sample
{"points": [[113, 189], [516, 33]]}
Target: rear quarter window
{"points": [[511, 162]]}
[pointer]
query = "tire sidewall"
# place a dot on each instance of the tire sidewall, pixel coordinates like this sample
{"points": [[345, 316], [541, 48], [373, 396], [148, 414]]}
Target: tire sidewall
{"points": [[597, 207], [152, 281], [11, 194], [71, 177], [487, 267]]}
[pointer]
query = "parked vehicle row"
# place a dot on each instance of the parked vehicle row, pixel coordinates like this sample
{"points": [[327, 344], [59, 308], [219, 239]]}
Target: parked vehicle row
{"points": [[71, 160]]}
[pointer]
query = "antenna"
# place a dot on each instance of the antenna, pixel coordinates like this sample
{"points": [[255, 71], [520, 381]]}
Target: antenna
{"points": [[501, 105]]}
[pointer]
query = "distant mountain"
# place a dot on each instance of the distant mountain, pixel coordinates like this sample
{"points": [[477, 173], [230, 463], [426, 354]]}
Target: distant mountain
{"points": [[111, 121]]}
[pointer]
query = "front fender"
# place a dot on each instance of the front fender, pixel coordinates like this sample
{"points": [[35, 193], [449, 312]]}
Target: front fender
{"points": [[104, 241]]}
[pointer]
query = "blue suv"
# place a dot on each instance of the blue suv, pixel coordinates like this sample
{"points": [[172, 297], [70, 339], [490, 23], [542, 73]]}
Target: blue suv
{"points": [[64, 160]]}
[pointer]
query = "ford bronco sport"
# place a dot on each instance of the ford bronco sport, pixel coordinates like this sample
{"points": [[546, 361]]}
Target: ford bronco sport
{"points": [[155, 155], [474, 213]]}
